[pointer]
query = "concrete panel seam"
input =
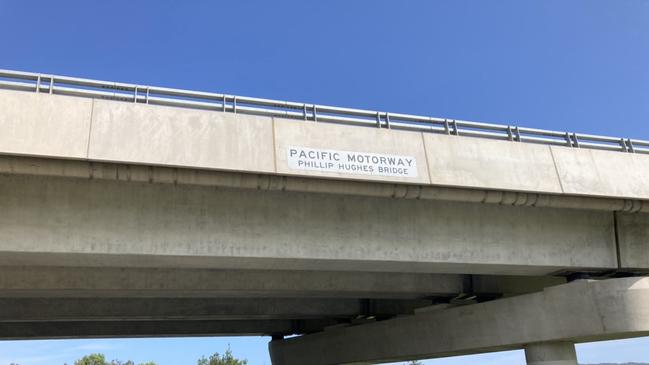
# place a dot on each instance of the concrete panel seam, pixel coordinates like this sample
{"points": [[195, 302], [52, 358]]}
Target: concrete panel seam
{"points": [[616, 231], [428, 167], [272, 120], [556, 170], [92, 111]]}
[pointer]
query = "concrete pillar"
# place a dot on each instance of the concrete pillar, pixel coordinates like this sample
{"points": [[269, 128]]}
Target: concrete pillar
{"points": [[551, 353]]}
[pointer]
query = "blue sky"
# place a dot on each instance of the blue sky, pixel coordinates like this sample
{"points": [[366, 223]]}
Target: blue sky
{"points": [[580, 65], [176, 351]]}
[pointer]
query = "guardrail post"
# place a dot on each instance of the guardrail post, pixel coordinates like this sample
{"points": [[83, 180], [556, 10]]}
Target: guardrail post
{"points": [[304, 111], [51, 84], [378, 119], [631, 149], [387, 119], [623, 145], [447, 128], [574, 137], [315, 113], [135, 95], [456, 131], [517, 134], [146, 98], [234, 104], [38, 84], [568, 139], [510, 133]]}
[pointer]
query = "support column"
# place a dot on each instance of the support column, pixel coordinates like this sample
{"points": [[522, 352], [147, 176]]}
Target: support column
{"points": [[550, 321], [551, 353]]}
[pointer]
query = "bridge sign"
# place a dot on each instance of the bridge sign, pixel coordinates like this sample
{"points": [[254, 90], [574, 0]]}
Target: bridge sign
{"points": [[348, 162]]}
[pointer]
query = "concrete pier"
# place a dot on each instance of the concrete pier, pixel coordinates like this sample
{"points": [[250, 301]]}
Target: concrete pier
{"points": [[581, 311], [551, 353]]}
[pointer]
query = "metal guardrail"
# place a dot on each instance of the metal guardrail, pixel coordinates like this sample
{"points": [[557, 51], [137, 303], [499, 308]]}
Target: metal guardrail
{"points": [[52, 84]]}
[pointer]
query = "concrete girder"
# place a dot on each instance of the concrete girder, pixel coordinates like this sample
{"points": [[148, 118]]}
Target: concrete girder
{"points": [[131, 309], [50, 282], [23, 165], [576, 312], [167, 328], [73, 222]]}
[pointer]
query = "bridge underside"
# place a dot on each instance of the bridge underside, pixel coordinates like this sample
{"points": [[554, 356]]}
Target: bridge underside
{"points": [[546, 324], [113, 256]]}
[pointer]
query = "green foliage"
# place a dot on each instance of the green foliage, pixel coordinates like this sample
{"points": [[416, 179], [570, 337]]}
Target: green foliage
{"points": [[100, 359], [415, 362], [92, 359], [217, 359], [225, 359]]}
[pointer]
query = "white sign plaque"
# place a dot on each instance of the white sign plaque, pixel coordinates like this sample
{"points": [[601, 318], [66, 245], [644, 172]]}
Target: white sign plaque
{"points": [[348, 162]]}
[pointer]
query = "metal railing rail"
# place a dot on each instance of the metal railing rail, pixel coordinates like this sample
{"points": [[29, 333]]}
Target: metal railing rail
{"points": [[63, 85]]}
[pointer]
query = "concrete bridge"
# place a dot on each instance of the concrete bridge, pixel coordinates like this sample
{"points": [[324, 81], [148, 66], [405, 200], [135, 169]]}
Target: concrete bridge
{"points": [[132, 210]]}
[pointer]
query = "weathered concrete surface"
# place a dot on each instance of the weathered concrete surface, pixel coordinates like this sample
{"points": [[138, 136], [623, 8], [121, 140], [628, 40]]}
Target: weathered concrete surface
{"points": [[20, 165], [602, 173], [633, 236], [135, 220], [551, 353], [132, 309], [44, 125], [167, 328], [120, 282], [489, 164], [575, 312], [158, 135], [67, 127], [291, 133], [54, 221]]}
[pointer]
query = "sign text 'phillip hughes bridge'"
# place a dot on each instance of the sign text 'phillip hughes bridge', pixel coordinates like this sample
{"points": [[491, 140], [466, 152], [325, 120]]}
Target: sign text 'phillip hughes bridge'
{"points": [[129, 210]]}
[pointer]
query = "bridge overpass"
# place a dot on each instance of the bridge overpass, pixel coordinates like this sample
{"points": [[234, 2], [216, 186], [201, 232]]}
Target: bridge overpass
{"points": [[132, 210]]}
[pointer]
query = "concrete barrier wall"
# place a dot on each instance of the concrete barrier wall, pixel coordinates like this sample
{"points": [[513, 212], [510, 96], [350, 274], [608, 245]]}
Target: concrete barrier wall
{"points": [[44, 125], [136, 133], [100, 130]]}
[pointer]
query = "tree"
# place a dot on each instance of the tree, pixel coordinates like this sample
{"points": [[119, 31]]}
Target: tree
{"points": [[100, 359], [92, 359], [225, 359], [415, 362]]}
